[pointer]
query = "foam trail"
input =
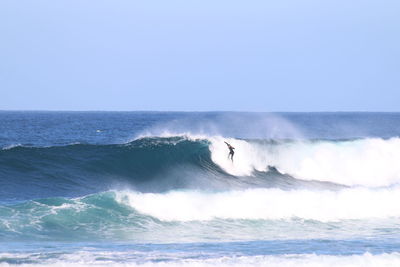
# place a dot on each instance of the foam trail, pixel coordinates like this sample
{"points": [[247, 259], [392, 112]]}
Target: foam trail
{"points": [[268, 204], [366, 162], [111, 259]]}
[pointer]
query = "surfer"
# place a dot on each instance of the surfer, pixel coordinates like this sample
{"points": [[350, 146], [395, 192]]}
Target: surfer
{"points": [[231, 151]]}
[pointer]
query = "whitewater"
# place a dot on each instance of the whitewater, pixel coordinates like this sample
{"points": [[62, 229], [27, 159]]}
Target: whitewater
{"points": [[158, 189]]}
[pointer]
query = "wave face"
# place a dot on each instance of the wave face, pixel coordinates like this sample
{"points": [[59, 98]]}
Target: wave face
{"points": [[146, 164], [159, 164]]}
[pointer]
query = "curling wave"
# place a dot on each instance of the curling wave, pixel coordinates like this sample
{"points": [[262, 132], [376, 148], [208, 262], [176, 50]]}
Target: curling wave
{"points": [[160, 164]]}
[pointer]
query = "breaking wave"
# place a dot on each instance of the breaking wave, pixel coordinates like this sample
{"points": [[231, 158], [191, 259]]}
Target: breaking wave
{"points": [[169, 185], [159, 164]]}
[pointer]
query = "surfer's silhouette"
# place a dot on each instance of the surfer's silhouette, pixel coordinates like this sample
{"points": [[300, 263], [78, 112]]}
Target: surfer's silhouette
{"points": [[231, 151]]}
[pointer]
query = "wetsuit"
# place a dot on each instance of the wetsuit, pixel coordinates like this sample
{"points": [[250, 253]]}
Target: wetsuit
{"points": [[231, 151]]}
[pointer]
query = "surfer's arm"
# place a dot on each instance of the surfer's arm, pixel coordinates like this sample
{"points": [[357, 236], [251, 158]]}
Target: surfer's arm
{"points": [[229, 145]]}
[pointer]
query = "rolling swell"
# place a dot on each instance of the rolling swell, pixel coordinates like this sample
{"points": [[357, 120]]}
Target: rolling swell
{"points": [[150, 164], [147, 164], [160, 164]]}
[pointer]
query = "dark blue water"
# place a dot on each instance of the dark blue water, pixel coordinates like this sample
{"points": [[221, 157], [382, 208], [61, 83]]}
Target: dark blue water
{"points": [[63, 128], [158, 188]]}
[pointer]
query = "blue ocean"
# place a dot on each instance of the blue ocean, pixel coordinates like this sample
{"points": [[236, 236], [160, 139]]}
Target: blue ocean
{"points": [[158, 189]]}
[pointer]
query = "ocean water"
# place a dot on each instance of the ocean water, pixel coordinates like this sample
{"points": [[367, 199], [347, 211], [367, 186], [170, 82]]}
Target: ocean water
{"points": [[158, 189]]}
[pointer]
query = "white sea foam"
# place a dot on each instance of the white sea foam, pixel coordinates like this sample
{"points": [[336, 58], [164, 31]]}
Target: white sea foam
{"points": [[8, 147], [366, 162], [298, 260], [268, 204]]}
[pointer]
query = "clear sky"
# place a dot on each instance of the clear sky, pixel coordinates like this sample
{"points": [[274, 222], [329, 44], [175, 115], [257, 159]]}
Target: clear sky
{"points": [[280, 55]]}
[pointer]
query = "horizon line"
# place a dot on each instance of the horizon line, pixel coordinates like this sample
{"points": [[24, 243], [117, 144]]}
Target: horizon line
{"points": [[190, 111]]}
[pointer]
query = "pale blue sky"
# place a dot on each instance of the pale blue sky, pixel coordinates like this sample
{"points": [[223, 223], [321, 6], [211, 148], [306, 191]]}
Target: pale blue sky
{"points": [[281, 55]]}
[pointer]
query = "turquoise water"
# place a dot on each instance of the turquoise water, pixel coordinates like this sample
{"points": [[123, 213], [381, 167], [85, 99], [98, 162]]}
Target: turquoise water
{"points": [[157, 189]]}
